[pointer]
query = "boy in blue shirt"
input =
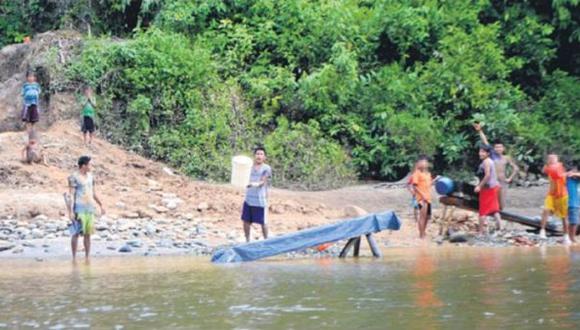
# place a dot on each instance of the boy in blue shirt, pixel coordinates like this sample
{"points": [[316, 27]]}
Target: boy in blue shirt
{"points": [[573, 202], [30, 98]]}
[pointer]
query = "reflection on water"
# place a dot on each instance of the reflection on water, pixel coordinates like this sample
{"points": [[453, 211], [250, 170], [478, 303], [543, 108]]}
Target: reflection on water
{"points": [[411, 288], [424, 273], [558, 288], [425, 298]]}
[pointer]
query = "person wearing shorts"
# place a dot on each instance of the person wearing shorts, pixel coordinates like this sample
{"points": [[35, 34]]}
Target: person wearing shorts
{"points": [[556, 202], [255, 206], [88, 116], [30, 97], [573, 202], [82, 188], [88, 126], [488, 190], [30, 114], [422, 183]]}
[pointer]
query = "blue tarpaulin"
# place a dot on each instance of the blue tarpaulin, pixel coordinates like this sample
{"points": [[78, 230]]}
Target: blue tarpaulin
{"points": [[303, 239]]}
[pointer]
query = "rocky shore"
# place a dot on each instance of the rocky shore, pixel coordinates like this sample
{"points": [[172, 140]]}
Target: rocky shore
{"points": [[141, 236], [44, 238]]}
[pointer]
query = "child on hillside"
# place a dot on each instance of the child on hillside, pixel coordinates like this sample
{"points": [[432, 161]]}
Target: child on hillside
{"points": [[556, 202], [30, 98], [421, 183], [488, 189], [573, 202], [32, 152], [88, 116]]}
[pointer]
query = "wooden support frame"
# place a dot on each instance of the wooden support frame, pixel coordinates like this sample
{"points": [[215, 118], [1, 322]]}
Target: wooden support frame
{"points": [[356, 247], [374, 247], [355, 241], [347, 247], [446, 219]]}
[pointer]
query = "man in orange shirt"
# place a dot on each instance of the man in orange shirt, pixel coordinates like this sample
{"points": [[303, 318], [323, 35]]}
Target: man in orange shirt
{"points": [[556, 202], [421, 183]]}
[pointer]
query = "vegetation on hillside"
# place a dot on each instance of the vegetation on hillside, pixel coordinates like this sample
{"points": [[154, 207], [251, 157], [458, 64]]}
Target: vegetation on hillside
{"points": [[334, 89]]}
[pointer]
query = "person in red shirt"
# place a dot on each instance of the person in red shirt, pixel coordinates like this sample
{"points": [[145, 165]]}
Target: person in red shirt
{"points": [[556, 202]]}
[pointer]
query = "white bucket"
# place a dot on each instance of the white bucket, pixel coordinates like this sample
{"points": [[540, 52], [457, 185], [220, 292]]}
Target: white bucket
{"points": [[241, 171]]}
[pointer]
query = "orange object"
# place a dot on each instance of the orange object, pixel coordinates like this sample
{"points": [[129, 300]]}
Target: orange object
{"points": [[423, 183], [26, 40], [323, 247], [557, 175]]}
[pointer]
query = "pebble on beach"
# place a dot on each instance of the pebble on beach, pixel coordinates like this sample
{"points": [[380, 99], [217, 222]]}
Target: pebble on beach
{"points": [[126, 249]]}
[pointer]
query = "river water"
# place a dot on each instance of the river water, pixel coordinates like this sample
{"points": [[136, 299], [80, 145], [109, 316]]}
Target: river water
{"points": [[408, 288]]}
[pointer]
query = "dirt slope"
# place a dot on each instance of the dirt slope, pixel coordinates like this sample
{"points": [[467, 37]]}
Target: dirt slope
{"points": [[46, 56], [130, 185]]}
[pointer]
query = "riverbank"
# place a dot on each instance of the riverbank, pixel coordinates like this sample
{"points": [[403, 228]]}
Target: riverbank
{"points": [[154, 210], [45, 239]]}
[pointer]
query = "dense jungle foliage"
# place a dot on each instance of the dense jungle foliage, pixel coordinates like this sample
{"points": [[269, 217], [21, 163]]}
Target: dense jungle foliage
{"points": [[334, 89]]}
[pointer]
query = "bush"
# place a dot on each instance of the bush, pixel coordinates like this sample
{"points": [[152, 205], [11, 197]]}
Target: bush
{"points": [[383, 80], [302, 158], [162, 97], [203, 144], [551, 123], [28, 17]]}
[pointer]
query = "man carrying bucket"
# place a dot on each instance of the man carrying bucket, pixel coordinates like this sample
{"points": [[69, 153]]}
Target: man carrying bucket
{"points": [[256, 201]]}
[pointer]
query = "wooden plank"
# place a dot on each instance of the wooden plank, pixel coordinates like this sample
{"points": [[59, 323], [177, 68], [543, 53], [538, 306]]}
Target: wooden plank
{"points": [[374, 247], [462, 203], [527, 221], [446, 219], [443, 223], [472, 205]]}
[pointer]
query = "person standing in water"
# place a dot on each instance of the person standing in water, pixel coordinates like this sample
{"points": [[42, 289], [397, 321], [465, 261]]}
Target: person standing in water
{"points": [[487, 189], [88, 116], [501, 162], [556, 202], [82, 188], [30, 100], [255, 207]]}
